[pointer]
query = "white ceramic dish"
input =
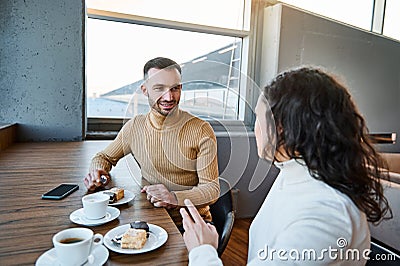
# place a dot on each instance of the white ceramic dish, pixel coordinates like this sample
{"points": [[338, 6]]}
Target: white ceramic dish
{"points": [[79, 217], [157, 237], [128, 196], [100, 255]]}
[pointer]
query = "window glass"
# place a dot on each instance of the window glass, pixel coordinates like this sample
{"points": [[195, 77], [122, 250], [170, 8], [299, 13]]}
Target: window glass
{"points": [[391, 26], [354, 12], [116, 53], [220, 13]]}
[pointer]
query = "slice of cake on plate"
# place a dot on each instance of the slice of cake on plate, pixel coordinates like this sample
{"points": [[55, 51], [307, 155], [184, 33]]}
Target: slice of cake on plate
{"points": [[115, 194], [134, 238], [141, 225], [119, 192]]}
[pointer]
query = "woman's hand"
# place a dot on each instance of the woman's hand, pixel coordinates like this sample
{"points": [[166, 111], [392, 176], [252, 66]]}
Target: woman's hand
{"points": [[197, 232]]}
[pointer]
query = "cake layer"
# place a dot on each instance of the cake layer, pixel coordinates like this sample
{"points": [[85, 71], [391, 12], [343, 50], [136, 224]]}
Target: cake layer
{"points": [[134, 238]]}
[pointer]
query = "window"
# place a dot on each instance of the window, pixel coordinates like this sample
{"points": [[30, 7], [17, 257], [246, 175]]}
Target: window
{"points": [[123, 35], [391, 26], [354, 12], [357, 13], [222, 13], [214, 41]]}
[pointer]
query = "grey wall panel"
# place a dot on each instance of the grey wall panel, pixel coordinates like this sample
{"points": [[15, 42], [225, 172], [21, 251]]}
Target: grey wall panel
{"points": [[42, 68], [238, 162]]}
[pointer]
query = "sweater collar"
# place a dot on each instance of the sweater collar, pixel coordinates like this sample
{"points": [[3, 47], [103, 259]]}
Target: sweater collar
{"points": [[159, 121]]}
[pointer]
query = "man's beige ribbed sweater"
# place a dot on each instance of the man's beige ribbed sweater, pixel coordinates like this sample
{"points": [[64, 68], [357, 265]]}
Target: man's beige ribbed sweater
{"points": [[178, 150]]}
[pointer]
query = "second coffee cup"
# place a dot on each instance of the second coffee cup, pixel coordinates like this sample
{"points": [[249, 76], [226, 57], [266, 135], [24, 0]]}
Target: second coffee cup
{"points": [[74, 245], [95, 205]]}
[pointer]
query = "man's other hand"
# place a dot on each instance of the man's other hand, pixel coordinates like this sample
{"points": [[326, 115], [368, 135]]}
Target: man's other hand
{"points": [[160, 196]]}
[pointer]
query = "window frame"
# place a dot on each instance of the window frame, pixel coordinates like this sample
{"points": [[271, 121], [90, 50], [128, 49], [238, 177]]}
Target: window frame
{"points": [[106, 128]]}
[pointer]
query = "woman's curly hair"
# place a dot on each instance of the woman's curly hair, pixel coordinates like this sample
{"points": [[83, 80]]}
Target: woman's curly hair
{"points": [[320, 123]]}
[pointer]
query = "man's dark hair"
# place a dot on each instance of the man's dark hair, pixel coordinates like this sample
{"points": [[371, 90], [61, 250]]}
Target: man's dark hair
{"points": [[160, 63]]}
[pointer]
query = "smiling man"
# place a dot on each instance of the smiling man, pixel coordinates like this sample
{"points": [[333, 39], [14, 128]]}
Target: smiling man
{"points": [[177, 152]]}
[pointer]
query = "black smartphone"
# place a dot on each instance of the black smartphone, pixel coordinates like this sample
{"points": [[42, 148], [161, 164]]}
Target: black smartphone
{"points": [[60, 192]]}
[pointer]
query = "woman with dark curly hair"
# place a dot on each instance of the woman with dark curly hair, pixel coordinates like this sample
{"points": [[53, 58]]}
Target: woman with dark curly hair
{"points": [[318, 208]]}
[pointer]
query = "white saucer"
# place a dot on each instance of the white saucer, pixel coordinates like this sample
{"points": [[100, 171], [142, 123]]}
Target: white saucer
{"points": [[157, 237], [100, 255], [78, 217]]}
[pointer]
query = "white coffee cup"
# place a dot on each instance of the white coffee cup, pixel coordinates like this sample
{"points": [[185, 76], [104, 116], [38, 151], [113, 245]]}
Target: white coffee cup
{"points": [[74, 245], [95, 205]]}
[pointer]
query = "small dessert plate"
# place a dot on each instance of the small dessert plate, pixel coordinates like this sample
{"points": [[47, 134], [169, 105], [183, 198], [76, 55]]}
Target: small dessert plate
{"points": [[128, 196], [100, 255], [157, 237], [79, 217]]}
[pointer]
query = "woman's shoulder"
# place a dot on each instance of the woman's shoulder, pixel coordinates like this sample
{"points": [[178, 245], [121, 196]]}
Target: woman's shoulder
{"points": [[308, 196], [333, 205]]}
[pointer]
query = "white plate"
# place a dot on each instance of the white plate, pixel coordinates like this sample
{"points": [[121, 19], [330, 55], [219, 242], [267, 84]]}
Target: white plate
{"points": [[100, 255], [157, 237], [128, 196], [79, 217]]}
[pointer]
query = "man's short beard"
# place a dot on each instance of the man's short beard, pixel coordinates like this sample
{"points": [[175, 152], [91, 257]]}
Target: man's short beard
{"points": [[156, 106]]}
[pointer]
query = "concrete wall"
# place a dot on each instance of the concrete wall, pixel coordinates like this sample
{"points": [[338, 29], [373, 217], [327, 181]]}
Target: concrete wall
{"points": [[42, 68], [367, 63]]}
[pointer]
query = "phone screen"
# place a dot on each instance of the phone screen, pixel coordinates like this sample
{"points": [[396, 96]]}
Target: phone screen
{"points": [[60, 191]]}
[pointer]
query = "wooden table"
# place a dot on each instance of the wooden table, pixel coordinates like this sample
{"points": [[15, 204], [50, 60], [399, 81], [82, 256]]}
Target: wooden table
{"points": [[27, 223]]}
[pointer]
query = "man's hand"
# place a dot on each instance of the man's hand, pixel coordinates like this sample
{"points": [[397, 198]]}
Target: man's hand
{"points": [[94, 179], [197, 232], [160, 196]]}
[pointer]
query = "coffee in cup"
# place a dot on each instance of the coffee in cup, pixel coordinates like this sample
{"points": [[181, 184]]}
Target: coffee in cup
{"points": [[95, 205], [74, 245], [71, 240]]}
